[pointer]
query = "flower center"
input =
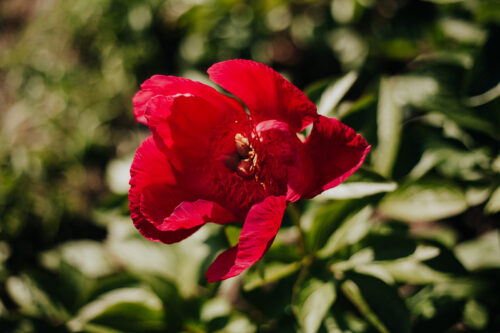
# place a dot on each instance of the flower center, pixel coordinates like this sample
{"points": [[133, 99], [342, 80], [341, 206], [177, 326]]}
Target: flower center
{"points": [[243, 160]]}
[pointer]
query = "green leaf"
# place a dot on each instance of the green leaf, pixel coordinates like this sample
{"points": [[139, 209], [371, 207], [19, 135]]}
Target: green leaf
{"points": [[33, 300], [321, 221], [462, 31], [351, 231], [127, 310], [423, 201], [493, 204], [379, 303], [385, 264], [272, 272], [354, 190], [179, 262], [363, 183], [215, 308], [389, 119], [86, 255], [411, 271], [475, 315], [451, 162], [334, 93], [338, 320], [237, 324], [312, 303], [482, 252]]}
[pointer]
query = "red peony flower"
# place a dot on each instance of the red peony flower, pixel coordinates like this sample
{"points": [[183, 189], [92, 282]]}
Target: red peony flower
{"points": [[208, 160]]}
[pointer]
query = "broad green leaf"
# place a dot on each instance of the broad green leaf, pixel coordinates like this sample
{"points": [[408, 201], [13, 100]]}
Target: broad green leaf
{"points": [[86, 255], [423, 201], [34, 301], [214, 308], [446, 104], [334, 93], [475, 315], [313, 300], [179, 262], [412, 271], [476, 195], [493, 204], [127, 310], [362, 183], [408, 269], [462, 31], [352, 230], [389, 119], [353, 190], [238, 324], [452, 162], [482, 252], [379, 303], [272, 272], [446, 236], [321, 220]]}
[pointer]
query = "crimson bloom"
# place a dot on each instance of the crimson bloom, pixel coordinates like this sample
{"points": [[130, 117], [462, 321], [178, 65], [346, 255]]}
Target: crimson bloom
{"points": [[208, 160]]}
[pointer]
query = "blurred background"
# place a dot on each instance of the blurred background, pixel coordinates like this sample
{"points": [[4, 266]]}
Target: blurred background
{"points": [[410, 243]]}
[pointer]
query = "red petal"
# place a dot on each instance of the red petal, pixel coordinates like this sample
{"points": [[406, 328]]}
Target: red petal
{"points": [[187, 125], [150, 166], [171, 85], [153, 194], [265, 92], [336, 152], [192, 214], [260, 227]]}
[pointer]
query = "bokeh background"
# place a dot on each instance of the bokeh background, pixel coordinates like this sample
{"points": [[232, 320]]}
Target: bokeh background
{"points": [[410, 243]]}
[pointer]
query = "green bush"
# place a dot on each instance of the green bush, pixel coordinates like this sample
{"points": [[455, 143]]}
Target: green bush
{"points": [[410, 243]]}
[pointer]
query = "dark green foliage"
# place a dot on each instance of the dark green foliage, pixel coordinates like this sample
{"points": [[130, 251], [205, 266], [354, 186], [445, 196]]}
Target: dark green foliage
{"points": [[410, 243]]}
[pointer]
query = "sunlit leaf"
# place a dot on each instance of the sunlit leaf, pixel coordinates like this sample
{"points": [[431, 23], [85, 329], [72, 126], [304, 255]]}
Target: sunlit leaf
{"points": [[128, 310], [452, 162], [179, 262], [334, 93], [423, 201], [493, 204], [313, 300], [237, 324], [34, 301], [475, 315], [272, 272], [462, 31], [482, 252], [389, 119], [320, 222], [356, 190], [352, 230], [86, 255]]}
